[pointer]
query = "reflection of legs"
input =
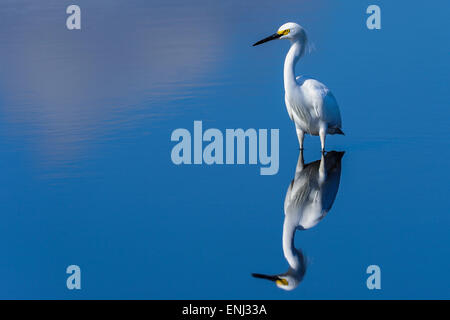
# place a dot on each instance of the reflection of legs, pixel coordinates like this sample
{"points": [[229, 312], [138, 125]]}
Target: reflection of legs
{"points": [[322, 134], [322, 169], [300, 163], [300, 136]]}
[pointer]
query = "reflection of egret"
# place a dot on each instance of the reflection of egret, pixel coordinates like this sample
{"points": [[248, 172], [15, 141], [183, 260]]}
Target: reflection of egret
{"points": [[308, 199], [310, 104]]}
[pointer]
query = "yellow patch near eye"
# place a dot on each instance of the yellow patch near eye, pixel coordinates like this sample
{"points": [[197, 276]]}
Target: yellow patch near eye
{"points": [[284, 32]]}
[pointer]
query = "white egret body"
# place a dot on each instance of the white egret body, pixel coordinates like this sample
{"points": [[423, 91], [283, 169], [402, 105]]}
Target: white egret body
{"points": [[310, 104]]}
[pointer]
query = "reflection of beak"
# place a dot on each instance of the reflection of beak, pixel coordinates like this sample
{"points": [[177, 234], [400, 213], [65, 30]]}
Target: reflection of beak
{"points": [[267, 277], [269, 38], [276, 279]]}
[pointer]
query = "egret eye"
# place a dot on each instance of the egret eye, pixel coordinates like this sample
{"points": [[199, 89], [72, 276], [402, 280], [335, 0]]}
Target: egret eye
{"points": [[284, 32]]}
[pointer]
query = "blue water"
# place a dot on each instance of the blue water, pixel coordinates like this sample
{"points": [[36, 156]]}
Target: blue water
{"points": [[87, 178]]}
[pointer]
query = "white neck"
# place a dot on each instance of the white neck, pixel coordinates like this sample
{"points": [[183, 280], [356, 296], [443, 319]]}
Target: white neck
{"points": [[289, 250], [295, 52]]}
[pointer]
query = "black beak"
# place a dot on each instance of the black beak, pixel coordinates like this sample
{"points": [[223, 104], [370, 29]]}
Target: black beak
{"points": [[272, 37], [263, 276]]}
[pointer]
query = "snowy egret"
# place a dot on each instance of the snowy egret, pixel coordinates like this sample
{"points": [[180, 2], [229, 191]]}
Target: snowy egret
{"points": [[309, 198], [310, 104]]}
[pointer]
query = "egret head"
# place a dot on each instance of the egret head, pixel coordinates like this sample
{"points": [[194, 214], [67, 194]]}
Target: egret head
{"points": [[291, 279], [290, 30]]}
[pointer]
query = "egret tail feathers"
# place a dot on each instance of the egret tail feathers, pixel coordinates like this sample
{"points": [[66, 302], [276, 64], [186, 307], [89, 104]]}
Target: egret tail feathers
{"points": [[338, 131]]}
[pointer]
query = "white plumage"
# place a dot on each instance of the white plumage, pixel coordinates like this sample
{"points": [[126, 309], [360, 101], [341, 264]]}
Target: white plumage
{"points": [[310, 104]]}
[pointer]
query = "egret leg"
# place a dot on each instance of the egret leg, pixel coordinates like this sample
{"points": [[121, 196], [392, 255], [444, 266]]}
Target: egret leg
{"points": [[322, 134], [300, 136], [300, 162]]}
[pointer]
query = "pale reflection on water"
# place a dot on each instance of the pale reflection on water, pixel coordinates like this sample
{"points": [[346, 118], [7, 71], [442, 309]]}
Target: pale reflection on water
{"points": [[68, 89], [308, 200]]}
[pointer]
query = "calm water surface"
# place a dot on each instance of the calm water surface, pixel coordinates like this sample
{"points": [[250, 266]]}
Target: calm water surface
{"points": [[86, 174]]}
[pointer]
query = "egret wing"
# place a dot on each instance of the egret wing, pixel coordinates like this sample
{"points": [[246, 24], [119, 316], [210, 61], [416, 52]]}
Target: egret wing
{"points": [[323, 101], [331, 113]]}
